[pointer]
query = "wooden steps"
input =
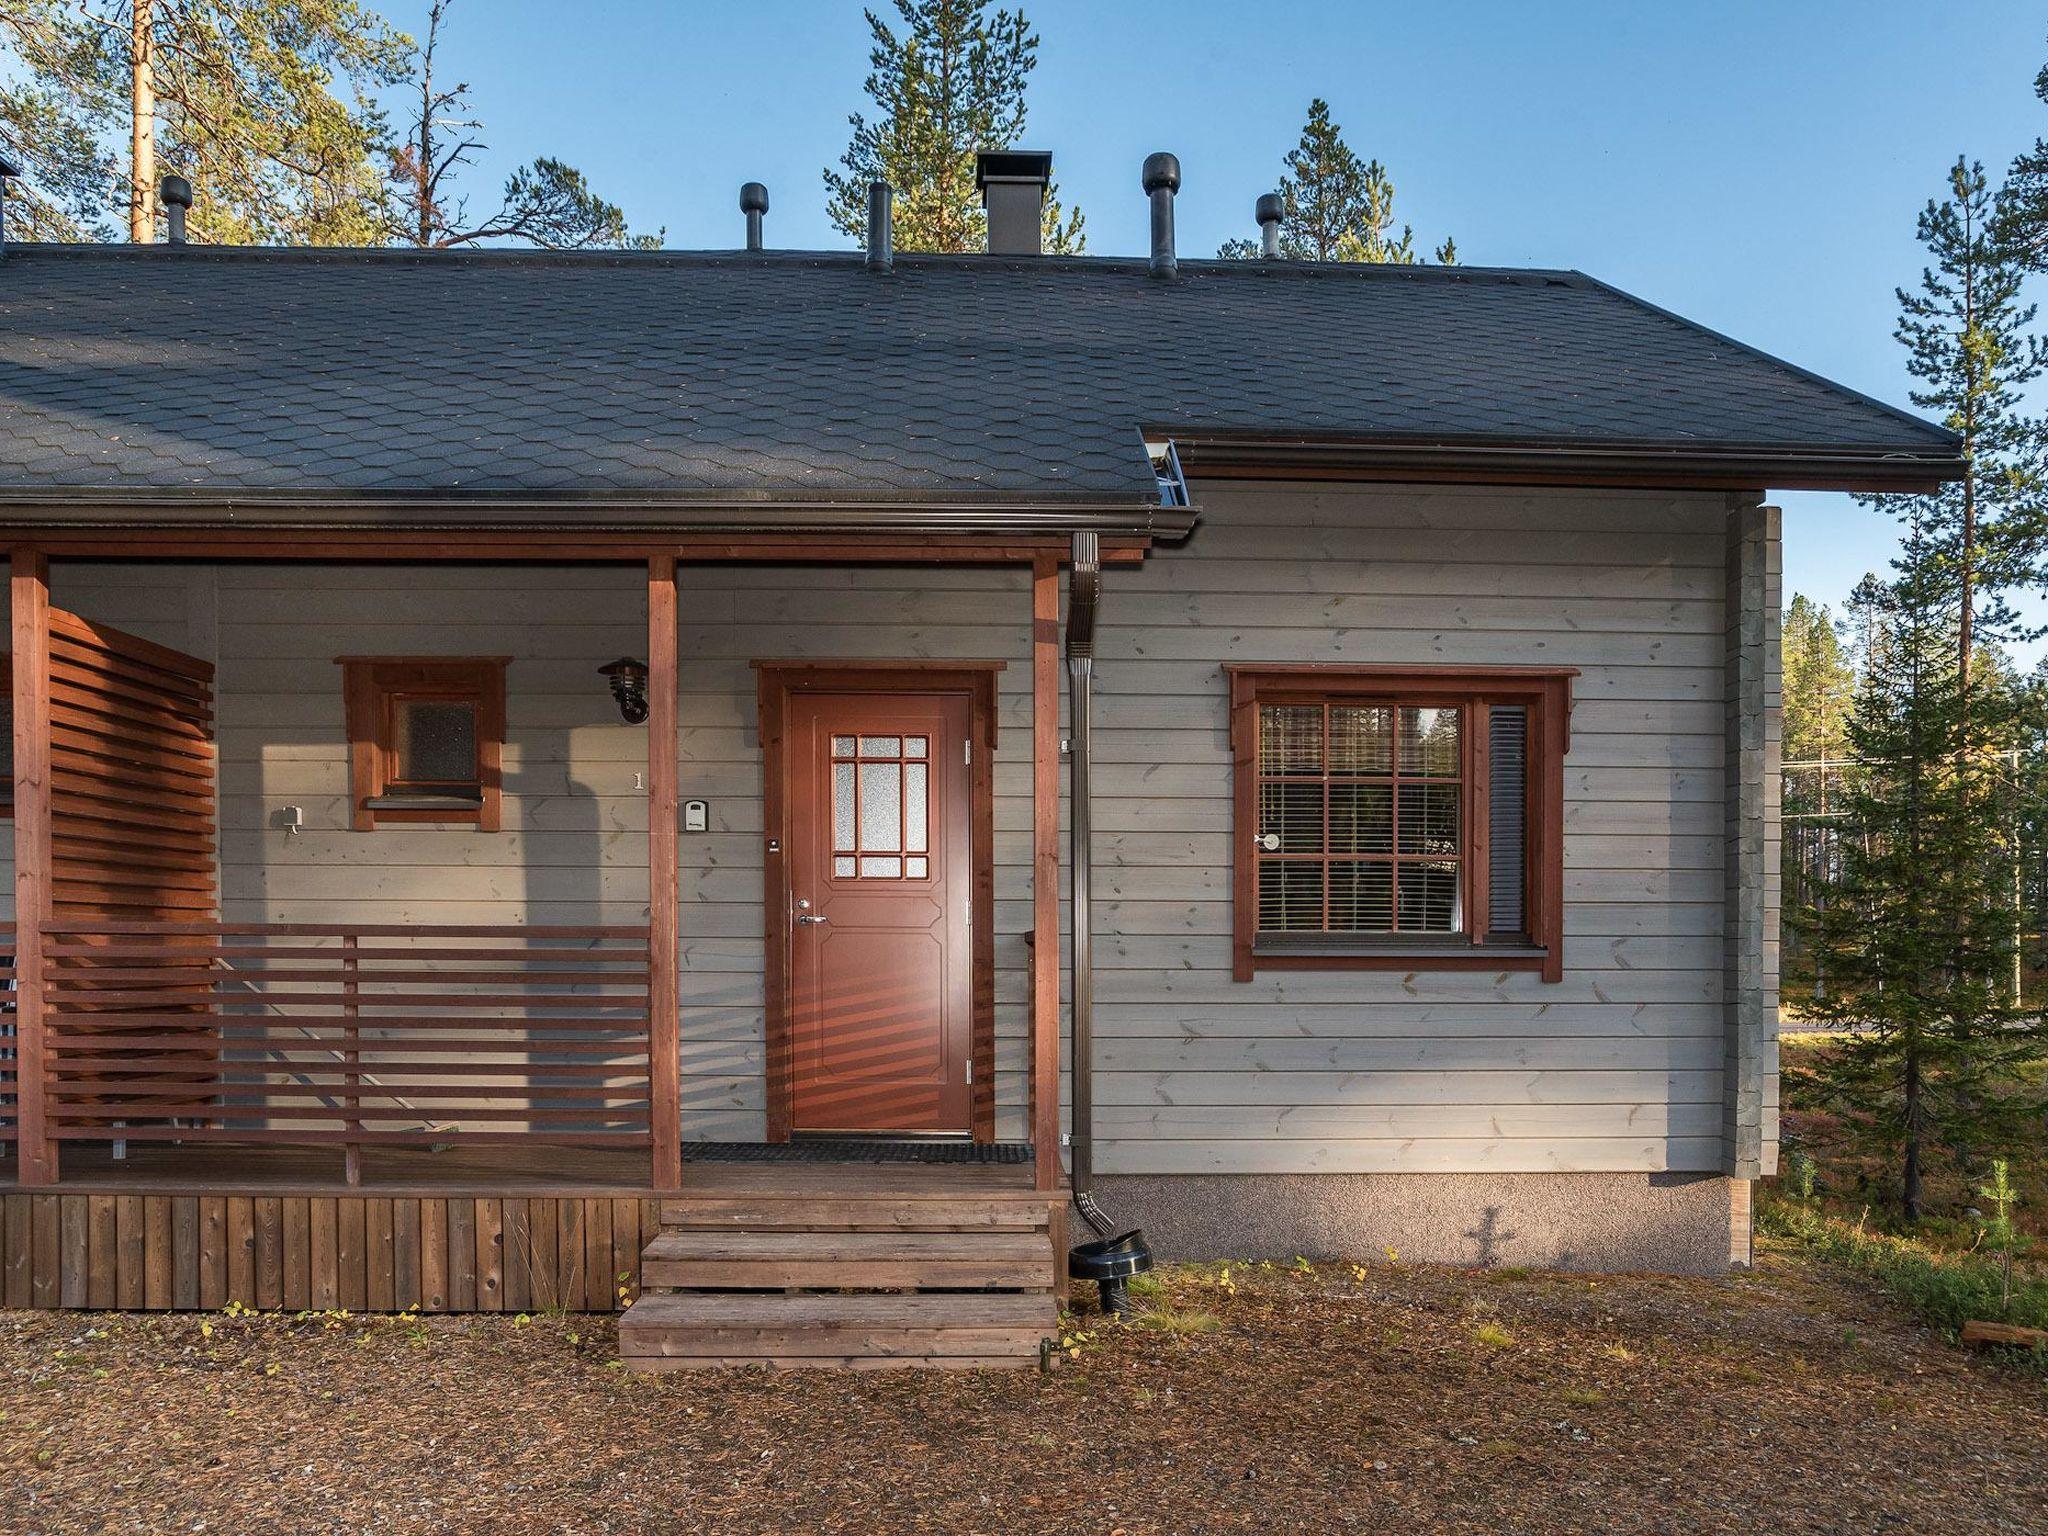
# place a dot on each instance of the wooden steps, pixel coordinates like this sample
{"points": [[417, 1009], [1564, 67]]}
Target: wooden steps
{"points": [[866, 1280]]}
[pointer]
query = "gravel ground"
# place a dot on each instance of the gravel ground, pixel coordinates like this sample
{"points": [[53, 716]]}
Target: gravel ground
{"points": [[1381, 1399]]}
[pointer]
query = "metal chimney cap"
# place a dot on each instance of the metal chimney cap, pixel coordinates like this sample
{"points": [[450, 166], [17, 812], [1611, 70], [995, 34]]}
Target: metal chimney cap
{"points": [[1162, 172], [176, 191], [1269, 209], [1011, 165], [753, 198]]}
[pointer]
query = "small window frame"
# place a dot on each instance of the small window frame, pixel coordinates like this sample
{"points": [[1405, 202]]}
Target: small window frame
{"points": [[373, 689], [1545, 692]]}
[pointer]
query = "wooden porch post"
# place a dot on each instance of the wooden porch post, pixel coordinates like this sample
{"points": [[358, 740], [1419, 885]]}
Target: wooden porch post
{"points": [[664, 880], [30, 594], [1045, 871]]}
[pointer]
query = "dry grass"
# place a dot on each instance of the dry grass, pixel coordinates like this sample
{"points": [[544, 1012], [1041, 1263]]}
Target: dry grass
{"points": [[1346, 1399]]}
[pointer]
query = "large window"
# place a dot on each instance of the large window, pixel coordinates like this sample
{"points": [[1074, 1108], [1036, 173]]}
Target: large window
{"points": [[1404, 817], [425, 737]]}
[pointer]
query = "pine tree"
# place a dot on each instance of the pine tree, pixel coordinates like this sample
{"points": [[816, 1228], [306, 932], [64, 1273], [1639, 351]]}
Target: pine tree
{"points": [[1920, 922], [949, 87], [544, 203], [266, 106], [1337, 207]]}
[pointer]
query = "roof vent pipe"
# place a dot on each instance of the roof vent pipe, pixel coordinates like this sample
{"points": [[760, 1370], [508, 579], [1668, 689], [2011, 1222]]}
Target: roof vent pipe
{"points": [[1161, 180], [881, 227], [754, 204], [175, 193], [8, 169], [1270, 210]]}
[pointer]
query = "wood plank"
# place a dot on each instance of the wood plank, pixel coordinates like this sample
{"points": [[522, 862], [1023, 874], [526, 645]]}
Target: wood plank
{"points": [[380, 1260], [213, 1252], [543, 1225], [73, 1271], [462, 1254], [269, 1252], [325, 1264], [185, 1253], [296, 1251], [351, 1254], [405, 1254], [241, 1250], [626, 1246], [854, 1215], [663, 877], [1987, 1335], [101, 1276], [130, 1251], [571, 1287], [600, 1279], [434, 1285], [159, 1260], [490, 1255], [518, 1254], [19, 1252], [29, 597]]}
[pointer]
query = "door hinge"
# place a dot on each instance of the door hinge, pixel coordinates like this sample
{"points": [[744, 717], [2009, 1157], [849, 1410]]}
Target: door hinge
{"points": [[967, 751], [970, 1069]]}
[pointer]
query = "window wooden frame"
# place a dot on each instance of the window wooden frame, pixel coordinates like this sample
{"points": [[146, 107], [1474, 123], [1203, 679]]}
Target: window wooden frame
{"points": [[373, 687], [1545, 692]]}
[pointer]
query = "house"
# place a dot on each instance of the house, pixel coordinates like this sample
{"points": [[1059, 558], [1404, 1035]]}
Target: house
{"points": [[542, 776]]}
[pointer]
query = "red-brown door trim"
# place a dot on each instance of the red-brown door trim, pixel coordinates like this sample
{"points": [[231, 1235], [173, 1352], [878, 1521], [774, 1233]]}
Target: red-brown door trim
{"points": [[777, 681]]}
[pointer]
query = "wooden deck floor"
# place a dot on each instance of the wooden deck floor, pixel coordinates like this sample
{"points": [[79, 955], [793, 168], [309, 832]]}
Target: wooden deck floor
{"points": [[497, 1170]]}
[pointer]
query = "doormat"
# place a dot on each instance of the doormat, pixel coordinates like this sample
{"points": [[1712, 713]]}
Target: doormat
{"points": [[855, 1150]]}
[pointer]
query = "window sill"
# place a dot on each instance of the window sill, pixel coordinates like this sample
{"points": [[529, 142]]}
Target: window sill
{"points": [[1400, 957]]}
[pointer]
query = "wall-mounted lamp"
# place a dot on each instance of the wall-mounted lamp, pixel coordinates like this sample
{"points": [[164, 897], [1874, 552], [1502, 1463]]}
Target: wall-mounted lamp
{"points": [[629, 686]]}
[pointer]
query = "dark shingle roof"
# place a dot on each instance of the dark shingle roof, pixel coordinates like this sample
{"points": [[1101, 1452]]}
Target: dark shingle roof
{"points": [[791, 377]]}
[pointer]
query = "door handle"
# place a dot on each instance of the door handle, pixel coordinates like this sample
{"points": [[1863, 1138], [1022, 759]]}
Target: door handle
{"points": [[812, 917]]}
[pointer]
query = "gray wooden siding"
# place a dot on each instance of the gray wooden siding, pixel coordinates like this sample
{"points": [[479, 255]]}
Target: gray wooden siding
{"points": [[1619, 1067]]}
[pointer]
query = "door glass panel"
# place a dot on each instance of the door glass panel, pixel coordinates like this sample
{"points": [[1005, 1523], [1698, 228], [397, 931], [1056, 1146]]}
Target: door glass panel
{"points": [[842, 805], [842, 867], [881, 807], [881, 746], [914, 806], [881, 869], [916, 869], [436, 741], [914, 746], [842, 746]]}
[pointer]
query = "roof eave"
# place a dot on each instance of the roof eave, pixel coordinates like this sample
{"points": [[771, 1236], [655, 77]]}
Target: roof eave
{"points": [[1659, 466]]}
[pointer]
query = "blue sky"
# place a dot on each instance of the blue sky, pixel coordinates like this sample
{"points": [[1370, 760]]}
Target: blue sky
{"points": [[1754, 166]]}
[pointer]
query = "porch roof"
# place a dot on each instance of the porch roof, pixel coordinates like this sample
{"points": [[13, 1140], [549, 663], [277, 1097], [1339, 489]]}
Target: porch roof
{"points": [[430, 389]]}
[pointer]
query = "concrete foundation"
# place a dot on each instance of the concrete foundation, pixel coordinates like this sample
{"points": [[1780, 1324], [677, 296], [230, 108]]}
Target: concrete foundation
{"points": [[1671, 1223]]}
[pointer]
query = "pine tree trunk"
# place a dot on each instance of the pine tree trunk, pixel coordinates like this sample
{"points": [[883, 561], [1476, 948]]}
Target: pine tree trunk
{"points": [[142, 123], [1910, 1193]]}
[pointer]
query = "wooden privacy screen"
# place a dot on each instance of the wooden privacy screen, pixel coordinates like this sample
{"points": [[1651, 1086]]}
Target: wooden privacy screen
{"points": [[132, 778]]}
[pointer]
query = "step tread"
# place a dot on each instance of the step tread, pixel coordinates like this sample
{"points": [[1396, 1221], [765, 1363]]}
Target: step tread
{"points": [[925, 1312], [848, 1247], [855, 1213]]}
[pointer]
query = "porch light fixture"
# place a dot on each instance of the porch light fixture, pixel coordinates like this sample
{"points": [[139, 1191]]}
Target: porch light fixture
{"points": [[629, 686]]}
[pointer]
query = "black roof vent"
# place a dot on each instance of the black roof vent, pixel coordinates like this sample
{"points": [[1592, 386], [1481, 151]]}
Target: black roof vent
{"points": [[754, 204], [175, 193]]}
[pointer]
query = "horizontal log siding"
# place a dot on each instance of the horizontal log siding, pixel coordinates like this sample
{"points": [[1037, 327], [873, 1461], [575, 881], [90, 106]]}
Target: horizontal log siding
{"points": [[1618, 1067]]}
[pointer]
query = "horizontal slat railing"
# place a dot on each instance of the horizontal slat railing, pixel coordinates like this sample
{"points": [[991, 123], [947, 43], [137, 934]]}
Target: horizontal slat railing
{"points": [[356, 1035], [10, 1097]]}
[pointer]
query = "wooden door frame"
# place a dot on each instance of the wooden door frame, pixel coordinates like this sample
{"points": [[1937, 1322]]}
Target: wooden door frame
{"points": [[777, 683]]}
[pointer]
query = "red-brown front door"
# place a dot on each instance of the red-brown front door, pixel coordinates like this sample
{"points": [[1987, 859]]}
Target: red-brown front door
{"points": [[880, 884]]}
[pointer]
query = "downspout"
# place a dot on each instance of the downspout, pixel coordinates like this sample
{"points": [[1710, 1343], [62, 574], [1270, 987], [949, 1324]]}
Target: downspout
{"points": [[1084, 592]]}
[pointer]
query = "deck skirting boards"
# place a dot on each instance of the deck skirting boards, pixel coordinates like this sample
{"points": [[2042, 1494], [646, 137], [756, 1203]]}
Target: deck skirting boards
{"points": [[362, 1253]]}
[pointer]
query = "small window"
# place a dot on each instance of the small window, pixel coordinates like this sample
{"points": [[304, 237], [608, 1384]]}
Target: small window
{"points": [[1399, 817], [881, 805], [425, 736]]}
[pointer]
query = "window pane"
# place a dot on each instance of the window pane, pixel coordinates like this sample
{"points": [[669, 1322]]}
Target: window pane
{"points": [[1429, 899], [914, 746], [914, 775], [881, 806], [1292, 813], [1290, 896], [842, 746], [1291, 738], [436, 741], [881, 869], [1429, 819], [1507, 841], [842, 806], [842, 866], [1429, 742], [916, 869], [1361, 818], [1361, 897], [1361, 739], [881, 746]]}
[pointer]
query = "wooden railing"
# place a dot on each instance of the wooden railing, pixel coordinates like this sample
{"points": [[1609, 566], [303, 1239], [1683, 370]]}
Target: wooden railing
{"points": [[355, 1034], [10, 1127]]}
